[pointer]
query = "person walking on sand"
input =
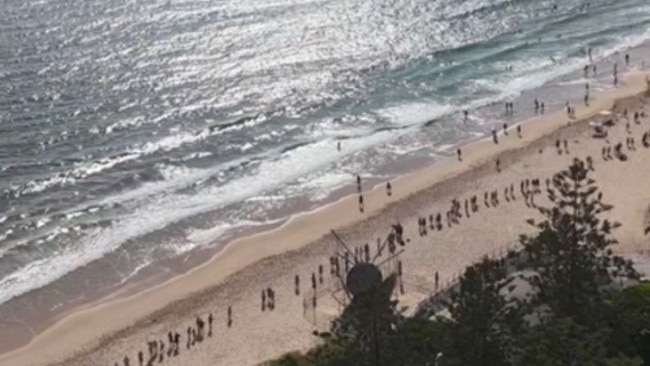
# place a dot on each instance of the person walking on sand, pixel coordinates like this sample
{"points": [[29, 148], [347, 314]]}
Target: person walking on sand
{"points": [[519, 131], [210, 319], [494, 136], [389, 189], [170, 339], [358, 183], [459, 153], [505, 129], [627, 59], [536, 106], [229, 316], [161, 354], [498, 165], [437, 279], [361, 203]]}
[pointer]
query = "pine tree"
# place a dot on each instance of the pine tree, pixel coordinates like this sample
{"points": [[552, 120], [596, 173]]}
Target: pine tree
{"points": [[369, 319], [571, 255]]}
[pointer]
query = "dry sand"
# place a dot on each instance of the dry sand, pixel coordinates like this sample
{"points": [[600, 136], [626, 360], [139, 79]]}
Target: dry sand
{"points": [[104, 334]]}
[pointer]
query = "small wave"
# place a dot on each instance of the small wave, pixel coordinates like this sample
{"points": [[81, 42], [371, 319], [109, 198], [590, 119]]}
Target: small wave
{"points": [[415, 113], [202, 237]]}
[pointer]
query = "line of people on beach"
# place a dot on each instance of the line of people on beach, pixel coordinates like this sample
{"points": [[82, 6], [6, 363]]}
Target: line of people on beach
{"points": [[158, 349]]}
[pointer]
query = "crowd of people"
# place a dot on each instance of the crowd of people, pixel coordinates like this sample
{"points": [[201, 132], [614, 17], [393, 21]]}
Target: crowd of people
{"points": [[159, 348]]}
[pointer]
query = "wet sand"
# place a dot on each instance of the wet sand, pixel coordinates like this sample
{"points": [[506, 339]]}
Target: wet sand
{"points": [[104, 334]]}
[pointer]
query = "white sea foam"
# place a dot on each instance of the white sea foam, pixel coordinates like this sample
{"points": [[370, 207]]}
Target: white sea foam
{"points": [[416, 113], [167, 209]]}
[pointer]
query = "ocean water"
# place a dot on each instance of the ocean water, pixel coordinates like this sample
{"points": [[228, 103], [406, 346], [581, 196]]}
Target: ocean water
{"points": [[134, 132]]}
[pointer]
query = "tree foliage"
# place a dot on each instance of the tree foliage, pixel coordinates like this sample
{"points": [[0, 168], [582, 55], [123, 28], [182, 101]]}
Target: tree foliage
{"points": [[479, 310], [573, 263]]}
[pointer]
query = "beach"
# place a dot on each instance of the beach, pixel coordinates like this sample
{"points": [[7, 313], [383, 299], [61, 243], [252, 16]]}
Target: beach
{"points": [[103, 334]]}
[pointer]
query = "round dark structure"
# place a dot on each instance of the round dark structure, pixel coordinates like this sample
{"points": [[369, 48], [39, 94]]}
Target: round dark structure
{"points": [[362, 277]]}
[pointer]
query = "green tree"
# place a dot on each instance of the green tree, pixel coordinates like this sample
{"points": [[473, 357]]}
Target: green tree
{"points": [[367, 322], [564, 342], [479, 312], [629, 319], [571, 256]]}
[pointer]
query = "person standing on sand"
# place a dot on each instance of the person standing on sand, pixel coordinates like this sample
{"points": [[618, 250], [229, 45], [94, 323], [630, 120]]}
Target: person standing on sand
{"points": [[389, 189], [627, 59], [536, 106], [494, 136], [229, 316], [210, 319], [519, 131], [297, 281], [358, 183], [459, 153], [437, 279], [541, 107], [170, 339], [498, 165], [505, 129], [361, 203]]}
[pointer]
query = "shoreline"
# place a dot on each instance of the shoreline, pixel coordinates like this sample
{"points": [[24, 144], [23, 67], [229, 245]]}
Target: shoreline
{"points": [[297, 232]]}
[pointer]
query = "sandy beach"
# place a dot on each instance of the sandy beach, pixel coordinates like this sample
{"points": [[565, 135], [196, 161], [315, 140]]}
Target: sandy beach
{"points": [[104, 334]]}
